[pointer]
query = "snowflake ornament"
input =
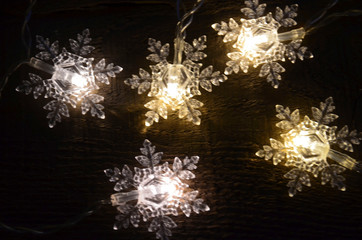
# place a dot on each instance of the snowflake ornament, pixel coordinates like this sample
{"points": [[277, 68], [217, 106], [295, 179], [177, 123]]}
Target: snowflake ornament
{"points": [[158, 192], [257, 41], [174, 84], [73, 80], [307, 145]]}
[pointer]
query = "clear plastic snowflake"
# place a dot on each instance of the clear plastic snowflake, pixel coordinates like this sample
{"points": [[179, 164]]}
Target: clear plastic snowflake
{"points": [[306, 146], [158, 192], [174, 84], [257, 41], [73, 78]]}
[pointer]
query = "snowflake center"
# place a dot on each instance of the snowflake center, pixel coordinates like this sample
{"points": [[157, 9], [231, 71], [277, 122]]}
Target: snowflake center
{"points": [[174, 82], [258, 39], [72, 73], [157, 191], [309, 145]]}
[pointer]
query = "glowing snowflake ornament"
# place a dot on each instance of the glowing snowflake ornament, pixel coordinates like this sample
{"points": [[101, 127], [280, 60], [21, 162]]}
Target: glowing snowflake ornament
{"points": [[174, 84], [307, 146], [158, 192], [73, 78], [258, 42]]}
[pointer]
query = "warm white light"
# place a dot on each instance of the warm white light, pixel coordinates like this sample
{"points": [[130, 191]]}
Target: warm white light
{"points": [[257, 41], [175, 84], [70, 81], [79, 81], [309, 145], [302, 141], [251, 43], [306, 147], [173, 90], [157, 190]]}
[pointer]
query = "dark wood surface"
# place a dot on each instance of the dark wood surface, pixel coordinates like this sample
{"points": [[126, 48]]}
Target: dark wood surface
{"points": [[47, 176]]}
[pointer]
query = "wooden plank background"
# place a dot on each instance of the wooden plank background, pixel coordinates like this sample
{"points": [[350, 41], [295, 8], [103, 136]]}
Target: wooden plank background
{"points": [[50, 175]]}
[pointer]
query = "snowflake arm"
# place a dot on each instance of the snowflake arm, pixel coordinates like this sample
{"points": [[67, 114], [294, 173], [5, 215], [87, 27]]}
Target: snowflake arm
{"points": [[324, 115], [231, 30], [253, 9], [330, 174], [91, 102], [298, 179], [57, 110], [159, 52], [345, 139], [35, 85], [102, 72], [48, 51], [79, 46]]}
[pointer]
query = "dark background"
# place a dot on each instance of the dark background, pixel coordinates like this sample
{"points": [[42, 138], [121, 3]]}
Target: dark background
{"points": [[48, 176]]}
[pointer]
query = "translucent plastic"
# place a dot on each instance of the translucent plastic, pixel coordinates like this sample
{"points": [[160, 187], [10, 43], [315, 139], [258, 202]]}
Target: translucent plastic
{"points": [[154, 192], [344, 160], [257, 40]]}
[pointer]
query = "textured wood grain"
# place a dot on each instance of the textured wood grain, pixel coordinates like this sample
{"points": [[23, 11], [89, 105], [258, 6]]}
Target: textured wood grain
{"points": [[49, 175]]}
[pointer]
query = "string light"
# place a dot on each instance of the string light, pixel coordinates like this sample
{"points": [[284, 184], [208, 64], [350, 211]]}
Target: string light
{"points": [[258, 42], [158, 192], [175, 84], [308, 144], [73, 78]]}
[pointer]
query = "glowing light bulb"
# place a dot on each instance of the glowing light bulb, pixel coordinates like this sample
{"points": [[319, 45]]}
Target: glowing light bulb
{"points": [[173, 90], [309, 145], [258, 40], [302, 141], [79, 81]]}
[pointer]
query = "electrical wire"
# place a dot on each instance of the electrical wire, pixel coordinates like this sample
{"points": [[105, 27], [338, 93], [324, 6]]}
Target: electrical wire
{"points": [[321, 14], [331, 18], [9, 73], [178, 9], [181, 27], [26, 40], [321, 21], [25, 28], [48, 229]]}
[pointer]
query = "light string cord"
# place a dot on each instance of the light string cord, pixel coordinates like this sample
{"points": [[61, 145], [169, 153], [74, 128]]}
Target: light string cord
{"points": [[26, 40], [48, 229], [319, 22], [321, 14], [25, 30], [178, 10], [178, 3], [181, 27]]}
